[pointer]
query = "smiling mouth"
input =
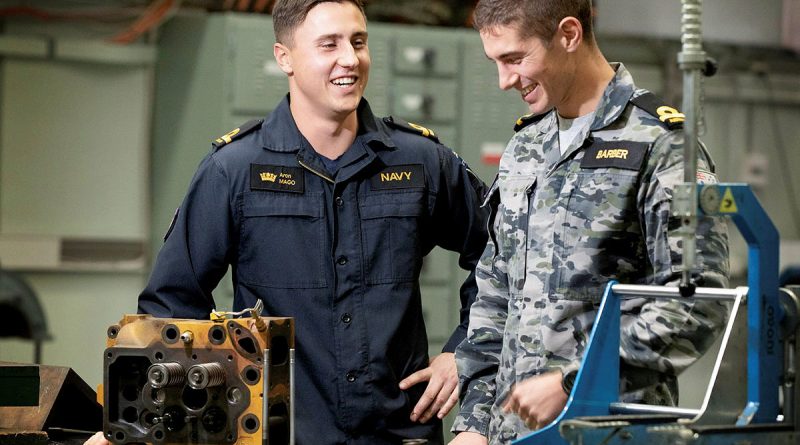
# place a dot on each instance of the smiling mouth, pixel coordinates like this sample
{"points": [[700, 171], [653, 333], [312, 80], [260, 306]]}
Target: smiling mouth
{"points": [[527, 90], [344, 81]]}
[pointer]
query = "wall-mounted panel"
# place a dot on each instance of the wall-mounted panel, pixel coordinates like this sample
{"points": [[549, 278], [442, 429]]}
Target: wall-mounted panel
{"points": [[427, 101], [258, 82], [422, 54], [73, 157], [487, 113]]}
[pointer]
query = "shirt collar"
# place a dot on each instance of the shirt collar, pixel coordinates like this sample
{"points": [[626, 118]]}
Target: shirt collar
{"points": [[282, 134], [615, 97]]}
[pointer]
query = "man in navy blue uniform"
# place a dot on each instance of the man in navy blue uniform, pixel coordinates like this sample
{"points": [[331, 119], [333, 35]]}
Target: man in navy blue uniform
{"points": [[324, 212]]}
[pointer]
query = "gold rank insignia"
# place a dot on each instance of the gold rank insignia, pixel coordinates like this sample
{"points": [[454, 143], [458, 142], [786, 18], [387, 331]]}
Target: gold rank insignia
{"points": [[236, 133], [654, 105], [396, 122], [526, 120]]}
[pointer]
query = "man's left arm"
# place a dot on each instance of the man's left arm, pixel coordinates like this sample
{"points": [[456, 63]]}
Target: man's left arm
{"points": [[669, 335], [458, 224]]}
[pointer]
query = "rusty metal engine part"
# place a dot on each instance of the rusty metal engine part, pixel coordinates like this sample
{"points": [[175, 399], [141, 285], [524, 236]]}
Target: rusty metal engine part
{"points": [[172, 381]]}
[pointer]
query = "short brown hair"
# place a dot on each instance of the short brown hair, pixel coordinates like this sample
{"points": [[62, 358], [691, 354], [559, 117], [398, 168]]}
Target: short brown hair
{"points": [[287, 15], [533, 18]]}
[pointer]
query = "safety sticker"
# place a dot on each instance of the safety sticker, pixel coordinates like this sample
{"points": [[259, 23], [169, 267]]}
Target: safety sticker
{"points": [[728, 204]]}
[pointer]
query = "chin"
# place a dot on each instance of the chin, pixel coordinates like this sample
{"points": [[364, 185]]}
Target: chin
{"points": [[539, 107], [349, 106]]}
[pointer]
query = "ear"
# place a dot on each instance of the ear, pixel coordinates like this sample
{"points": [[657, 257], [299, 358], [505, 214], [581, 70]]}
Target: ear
{"points": [[570, 33], [283, 57]]}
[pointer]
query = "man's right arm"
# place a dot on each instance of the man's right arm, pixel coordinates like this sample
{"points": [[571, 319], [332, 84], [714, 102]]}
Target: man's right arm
{"points": [[478, 356], [196, 251]]}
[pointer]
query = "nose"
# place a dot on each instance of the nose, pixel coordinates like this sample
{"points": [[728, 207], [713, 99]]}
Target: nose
{"points": [[348, 57], [506, 78]]}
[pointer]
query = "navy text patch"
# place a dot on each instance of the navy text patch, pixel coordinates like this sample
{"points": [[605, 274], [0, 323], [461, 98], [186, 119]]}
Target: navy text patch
{"points": [[276, 178], [399, 177], [627, 155]]}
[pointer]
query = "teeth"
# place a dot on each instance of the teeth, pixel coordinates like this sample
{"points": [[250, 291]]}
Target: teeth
{"points": [[528, 89], [344, 81]]}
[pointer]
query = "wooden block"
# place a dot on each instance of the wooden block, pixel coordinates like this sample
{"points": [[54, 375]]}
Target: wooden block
{"points": [[65, 401], [19, 437]]}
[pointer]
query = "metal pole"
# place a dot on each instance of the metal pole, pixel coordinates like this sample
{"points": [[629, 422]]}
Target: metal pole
{"points": [[664, 292], [265, 401], [639, 409], [291, 396], [692, 60]]}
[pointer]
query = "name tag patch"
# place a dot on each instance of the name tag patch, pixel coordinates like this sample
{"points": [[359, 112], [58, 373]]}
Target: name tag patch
{"points": [[399, 177], [276, 178], [626, 155]]}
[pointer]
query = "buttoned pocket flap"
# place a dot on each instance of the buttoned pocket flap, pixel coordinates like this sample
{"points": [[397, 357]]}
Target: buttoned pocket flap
{"points": [[389, 205], [281, 204]]}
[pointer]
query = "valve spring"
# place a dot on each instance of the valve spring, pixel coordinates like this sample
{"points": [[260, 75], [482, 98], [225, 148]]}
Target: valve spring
{"points": [[206, 375], [161, 375]]}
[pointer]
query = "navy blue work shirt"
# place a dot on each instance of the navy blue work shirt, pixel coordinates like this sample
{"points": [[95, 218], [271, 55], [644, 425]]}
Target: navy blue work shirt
{"points": [[341, 253]]}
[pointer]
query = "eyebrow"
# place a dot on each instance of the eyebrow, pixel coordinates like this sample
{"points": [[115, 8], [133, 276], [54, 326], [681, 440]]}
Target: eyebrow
{"points": [[505, 56], [335, 36]]}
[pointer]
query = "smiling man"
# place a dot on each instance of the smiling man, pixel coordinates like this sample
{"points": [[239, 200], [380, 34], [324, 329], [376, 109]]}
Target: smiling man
{"points": [[582, 197], [325, 212]]}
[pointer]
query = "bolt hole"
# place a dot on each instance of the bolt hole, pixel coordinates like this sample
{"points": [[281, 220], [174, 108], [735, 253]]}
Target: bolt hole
{"points": [[171, 333], [217, 334]]}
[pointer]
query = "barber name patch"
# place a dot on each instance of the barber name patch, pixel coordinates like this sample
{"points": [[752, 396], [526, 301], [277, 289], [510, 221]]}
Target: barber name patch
{"points": [[276, 178], [626, 155], [399, 177]]}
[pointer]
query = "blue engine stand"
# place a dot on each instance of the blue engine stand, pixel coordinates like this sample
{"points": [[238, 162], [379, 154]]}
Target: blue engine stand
{"points": [[589, 417]]}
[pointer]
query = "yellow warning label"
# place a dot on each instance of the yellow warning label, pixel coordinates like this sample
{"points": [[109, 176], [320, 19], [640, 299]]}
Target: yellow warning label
{"points": [[728, 204]]}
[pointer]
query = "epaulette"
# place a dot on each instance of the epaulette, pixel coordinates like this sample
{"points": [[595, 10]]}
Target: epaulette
{"points": [[234, 134], [526, 120], [654, 105], [400, 124]]}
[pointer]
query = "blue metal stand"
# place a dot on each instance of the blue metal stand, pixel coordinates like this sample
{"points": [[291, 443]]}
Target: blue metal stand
{"points": [[764, 312], [596, 385]]}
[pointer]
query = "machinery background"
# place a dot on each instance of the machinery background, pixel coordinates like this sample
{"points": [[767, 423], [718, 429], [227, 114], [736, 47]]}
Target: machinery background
{"points": [[194, 381], [98, 141]]}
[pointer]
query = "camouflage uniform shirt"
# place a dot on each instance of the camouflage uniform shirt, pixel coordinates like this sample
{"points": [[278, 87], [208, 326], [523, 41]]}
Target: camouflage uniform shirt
{"points": [[564, 225]]}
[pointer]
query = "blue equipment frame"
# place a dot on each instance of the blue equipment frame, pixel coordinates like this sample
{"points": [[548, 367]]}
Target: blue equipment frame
{"points": [[592, 394]]}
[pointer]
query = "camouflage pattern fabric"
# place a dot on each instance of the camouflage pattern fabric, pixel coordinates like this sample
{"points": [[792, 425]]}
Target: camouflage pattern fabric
{"points": [[565, 226]]}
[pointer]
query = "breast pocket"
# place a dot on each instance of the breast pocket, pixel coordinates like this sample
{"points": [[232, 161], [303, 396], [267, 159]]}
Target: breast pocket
{"points": [[512, 237], [390, 235], [282, 240], [601, 235]]}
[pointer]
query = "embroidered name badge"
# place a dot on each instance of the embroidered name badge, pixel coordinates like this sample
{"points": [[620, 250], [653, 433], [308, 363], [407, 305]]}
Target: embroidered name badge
{"points": [[626, 155], [399, 177], [276, 178]]}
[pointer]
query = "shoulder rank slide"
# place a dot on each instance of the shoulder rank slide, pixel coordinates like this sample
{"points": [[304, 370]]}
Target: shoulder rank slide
{"points": [[400, 124], [526, 120], [654, 105], [234, 134]]}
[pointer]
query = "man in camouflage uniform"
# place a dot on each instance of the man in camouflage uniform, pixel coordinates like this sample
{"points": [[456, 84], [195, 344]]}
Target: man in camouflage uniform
{"points": [[575, 206]]}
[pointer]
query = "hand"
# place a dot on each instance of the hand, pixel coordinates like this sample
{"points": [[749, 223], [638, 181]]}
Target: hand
{"points": [[441, 394], [537, 400], [97, 439], [469, 438]]}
